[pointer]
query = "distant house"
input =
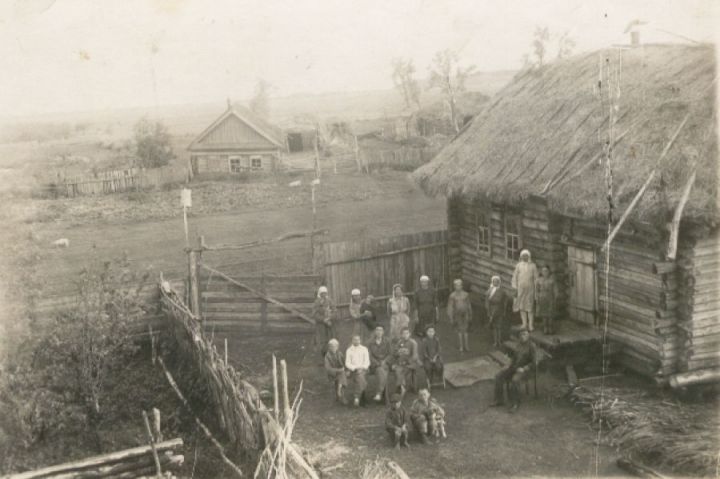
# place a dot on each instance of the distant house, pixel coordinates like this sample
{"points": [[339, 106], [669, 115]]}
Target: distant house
{"points": [[529, 172], [238, 141]]}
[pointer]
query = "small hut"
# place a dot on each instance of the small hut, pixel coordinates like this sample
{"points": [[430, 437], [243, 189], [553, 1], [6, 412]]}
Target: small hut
{"points": [[532, 171], [238, 141]]}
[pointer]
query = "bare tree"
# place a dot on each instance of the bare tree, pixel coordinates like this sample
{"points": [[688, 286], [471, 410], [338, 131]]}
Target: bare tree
{"points": [[540, 40], [403, 76], [566, 45], [260, 102], [450, 77]]}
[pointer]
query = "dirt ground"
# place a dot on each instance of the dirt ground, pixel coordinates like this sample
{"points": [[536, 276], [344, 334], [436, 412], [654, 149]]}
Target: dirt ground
{"points": [[547, 437]]}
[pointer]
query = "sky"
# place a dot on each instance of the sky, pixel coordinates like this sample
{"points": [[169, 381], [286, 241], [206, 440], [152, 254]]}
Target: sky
{"points": [[84, 55]]}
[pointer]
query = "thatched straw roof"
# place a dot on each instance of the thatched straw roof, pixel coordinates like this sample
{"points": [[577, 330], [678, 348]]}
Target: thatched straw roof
{"points": [[549, 122]]}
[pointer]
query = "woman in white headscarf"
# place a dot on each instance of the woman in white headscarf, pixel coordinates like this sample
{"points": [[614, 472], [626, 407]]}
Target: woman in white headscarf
{"points": [[398, 311], [523, 283], [323, 313], [355, 314]]}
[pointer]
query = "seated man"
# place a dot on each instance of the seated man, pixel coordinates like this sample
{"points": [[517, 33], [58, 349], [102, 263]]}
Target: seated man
{"points": [[380, 356], [405, 359], [396, 422], [430, 354], [335, 367], [522, 363], [427, 417], [357, 362]]}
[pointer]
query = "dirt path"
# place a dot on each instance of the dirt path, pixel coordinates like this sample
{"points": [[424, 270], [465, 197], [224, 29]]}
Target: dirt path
{"points": [[545, 438]]}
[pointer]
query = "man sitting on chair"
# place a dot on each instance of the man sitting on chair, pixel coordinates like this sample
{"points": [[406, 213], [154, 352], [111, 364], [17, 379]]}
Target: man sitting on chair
{"points": [[380, 356], [430, 353], [523, 362], [405, 359], [357, 362]]}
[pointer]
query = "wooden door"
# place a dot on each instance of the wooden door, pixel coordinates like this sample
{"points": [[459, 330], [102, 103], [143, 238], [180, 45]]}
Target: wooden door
{"points": [[583, 291]]}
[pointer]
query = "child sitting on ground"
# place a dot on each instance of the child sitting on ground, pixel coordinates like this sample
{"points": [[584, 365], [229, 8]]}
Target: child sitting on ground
{"points": [[396, 422]]}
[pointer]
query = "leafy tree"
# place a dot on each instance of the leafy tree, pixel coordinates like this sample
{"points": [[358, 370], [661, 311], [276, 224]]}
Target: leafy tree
{"points": [[403, 76], [447, 74], [260, 102], [152, 144]]}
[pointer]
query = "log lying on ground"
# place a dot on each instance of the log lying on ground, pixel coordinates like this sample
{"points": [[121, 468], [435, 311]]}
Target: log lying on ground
{"points": [[702, 376], [109, 464]]}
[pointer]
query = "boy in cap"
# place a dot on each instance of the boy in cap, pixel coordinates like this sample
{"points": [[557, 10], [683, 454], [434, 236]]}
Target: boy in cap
{"points": [[459, 311], [396, 422]]}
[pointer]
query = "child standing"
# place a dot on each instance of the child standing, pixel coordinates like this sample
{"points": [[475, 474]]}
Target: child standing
{"points": [[496, 304], [459, 311], [430, 353], [545, 294]]}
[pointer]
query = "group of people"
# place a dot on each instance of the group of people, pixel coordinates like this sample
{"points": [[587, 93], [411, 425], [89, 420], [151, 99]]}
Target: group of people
{"points": [[373, 352]]}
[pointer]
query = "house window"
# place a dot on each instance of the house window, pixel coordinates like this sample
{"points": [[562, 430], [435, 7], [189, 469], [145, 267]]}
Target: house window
{"points": [[513, 241], [482, 232], [256, 162], [235, 164]]}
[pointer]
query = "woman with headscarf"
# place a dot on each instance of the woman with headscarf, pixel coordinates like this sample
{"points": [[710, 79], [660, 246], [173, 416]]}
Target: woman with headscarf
{"points": [[398, 311], [355, 313], [495, 305], [546, 292], [323, 313], [523, 283], [426, 306]]}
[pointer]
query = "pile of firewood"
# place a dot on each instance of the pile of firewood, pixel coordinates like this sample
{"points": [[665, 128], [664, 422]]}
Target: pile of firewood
{"points": [[128, 464]]}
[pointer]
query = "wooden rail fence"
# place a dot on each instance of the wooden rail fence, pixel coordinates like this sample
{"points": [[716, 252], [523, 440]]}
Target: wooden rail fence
{"points": [[375, 265], [116, 181]]}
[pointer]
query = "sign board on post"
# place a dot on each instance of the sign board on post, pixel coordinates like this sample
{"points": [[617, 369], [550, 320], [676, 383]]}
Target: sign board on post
{"points": [[186, 197]]}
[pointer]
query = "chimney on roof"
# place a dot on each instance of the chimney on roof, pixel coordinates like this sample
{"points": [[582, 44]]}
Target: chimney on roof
{"points": [[634, 28]]}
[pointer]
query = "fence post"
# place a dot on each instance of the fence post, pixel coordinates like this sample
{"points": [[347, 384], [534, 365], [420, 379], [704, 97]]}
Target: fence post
{"points": [[263, 306], [193, 256]]}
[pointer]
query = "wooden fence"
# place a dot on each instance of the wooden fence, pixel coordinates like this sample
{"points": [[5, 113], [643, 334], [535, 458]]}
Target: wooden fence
{"points": [[375, 265], [266, 303], [117, 181], [405, 158]]}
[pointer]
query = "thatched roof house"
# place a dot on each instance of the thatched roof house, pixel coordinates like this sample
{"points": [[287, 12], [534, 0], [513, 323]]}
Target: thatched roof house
{"points": [[530, 171]]}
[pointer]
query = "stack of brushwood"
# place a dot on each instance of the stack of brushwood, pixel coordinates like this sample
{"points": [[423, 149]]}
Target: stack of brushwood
{"points": [[128, 464], [654, 430], [243, 418], [382, 469]]}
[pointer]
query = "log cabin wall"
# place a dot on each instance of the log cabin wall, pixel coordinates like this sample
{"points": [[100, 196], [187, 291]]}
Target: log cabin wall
{"points": [[476, 261], [699, 303], [642, 291]]}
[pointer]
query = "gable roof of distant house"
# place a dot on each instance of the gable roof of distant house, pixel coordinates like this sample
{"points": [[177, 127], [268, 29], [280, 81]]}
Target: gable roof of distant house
{"points": [[545, 134], [266, 135]]}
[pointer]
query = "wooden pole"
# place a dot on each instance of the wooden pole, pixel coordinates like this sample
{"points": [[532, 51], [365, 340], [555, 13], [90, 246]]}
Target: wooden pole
{"points": [[628, 210], [194, 283], [185, 223], [156, 424], [276, 393], [200, 424], [286, 395], [158, 469], [357, 154], [318, 171], [675, 225], [226, 361]]}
